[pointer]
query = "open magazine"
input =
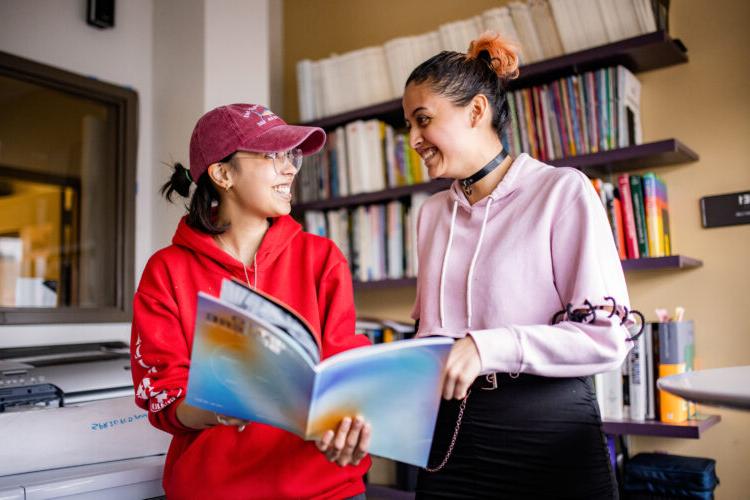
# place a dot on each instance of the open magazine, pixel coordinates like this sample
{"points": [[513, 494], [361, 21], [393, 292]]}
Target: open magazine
{"points": [[254, 358]]}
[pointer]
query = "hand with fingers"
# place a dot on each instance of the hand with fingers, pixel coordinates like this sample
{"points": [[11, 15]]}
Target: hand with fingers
{"points": [[462, 367], [348, 444], [231, 421]]}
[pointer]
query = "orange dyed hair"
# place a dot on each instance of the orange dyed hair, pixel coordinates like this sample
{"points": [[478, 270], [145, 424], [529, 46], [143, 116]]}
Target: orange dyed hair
{"points": [[503, 55]]}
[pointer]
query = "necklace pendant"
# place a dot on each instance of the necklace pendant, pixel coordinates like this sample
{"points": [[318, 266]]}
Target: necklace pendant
{"points": [[467, 190]]}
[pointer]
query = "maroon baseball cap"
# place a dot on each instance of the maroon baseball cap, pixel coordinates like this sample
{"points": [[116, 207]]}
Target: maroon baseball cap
{"points": [[246, 127]]}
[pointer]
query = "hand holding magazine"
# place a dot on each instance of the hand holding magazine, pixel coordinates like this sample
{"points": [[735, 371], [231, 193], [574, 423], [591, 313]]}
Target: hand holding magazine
{"points": [[254, 358]]}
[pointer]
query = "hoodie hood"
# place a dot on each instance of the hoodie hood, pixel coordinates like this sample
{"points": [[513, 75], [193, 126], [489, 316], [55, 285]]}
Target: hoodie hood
{"points": [[278, 237]]}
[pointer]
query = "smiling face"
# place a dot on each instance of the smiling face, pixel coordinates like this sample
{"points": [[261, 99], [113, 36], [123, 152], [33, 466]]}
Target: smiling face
{"points": [[443, 133], [260, 186]]}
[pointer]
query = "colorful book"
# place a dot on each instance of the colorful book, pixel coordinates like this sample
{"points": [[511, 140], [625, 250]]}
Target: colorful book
{"points": [[254, 358], [620, 230], [666, 237], [628, 217], [636, 192], [676, 355], [654, 221]]}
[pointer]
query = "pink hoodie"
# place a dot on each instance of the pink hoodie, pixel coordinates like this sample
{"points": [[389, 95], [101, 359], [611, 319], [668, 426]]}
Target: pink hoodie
{"points": [[499, 270]]}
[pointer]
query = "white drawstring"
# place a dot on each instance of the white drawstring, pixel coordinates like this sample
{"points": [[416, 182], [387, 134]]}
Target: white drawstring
{"points": [[445, 263], [473, 262]]}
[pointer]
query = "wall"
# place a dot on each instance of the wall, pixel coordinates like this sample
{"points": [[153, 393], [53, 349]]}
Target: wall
{"points": [[183, 58], [703, 103], [55, 32]]}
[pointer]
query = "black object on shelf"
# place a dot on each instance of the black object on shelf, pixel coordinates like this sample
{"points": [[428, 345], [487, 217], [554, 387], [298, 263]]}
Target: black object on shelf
{"points": [[638, 54], [659, 475]]}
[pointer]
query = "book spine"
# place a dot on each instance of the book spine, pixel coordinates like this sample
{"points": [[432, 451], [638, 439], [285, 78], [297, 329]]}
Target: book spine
{"points": [[631, 239], [672, 361], [617, 206], [636, 191], [637, 380]]}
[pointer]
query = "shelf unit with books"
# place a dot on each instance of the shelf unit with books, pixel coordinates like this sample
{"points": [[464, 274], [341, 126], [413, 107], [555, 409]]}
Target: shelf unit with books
{"points": [[638, 54], [641, 53], [652, 154]]}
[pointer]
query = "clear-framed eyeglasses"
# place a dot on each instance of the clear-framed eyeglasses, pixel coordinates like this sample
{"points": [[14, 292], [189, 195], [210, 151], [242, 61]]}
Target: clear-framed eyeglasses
{"points": [[293, 156]]}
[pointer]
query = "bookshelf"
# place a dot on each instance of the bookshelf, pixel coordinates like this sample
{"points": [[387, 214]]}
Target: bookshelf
{"points": [[643, 264], [638, 54], [652, 154]]}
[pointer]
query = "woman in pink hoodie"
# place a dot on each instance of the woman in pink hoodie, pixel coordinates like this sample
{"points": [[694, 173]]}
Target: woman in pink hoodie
{"points": [[512, 243]]}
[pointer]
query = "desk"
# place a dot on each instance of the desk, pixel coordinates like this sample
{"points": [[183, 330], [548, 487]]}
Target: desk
{"points": [[727, 387]]}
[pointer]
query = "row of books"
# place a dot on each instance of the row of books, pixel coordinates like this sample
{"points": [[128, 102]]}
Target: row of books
{"points": [[378, 241], [361, 156], [630, 392], [381, 331], [580, 114], [638, 212], [541, 29]]}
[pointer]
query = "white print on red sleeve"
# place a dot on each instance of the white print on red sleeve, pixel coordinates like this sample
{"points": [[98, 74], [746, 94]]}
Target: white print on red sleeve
{"points": [[157, 400]]}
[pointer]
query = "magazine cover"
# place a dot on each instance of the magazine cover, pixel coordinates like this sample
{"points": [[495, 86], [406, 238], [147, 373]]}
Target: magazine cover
{"points": [[247, 367]]}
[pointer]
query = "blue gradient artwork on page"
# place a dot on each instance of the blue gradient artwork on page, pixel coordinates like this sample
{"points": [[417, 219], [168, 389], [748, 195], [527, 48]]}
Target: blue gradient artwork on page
{"points": [[246, 364]]}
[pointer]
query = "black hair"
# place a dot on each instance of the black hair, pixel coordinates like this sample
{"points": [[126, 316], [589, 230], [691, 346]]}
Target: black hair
{"points": [[461, 78], [201, 208]]}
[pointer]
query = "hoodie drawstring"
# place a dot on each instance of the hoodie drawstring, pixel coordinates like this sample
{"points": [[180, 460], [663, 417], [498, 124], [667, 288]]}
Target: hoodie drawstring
{"points": [[445, 264], [471, 267], [474, 261]]}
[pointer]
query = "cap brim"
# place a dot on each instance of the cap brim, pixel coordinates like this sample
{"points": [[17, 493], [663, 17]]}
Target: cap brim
{"points": [[285, 137]]}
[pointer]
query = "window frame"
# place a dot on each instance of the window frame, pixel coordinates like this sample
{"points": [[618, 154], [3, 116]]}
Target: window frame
{"points": [[124, 103]]}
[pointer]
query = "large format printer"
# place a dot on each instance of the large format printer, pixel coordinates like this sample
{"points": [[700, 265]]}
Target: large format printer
{"points": [[69, 425]]}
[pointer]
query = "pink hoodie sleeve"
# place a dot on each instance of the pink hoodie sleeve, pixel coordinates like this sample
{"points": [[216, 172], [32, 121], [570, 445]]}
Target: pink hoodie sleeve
{"points": [[585, 265]]}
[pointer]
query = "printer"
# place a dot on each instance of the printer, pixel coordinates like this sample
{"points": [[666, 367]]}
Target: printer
{"points": [[69, 425]]}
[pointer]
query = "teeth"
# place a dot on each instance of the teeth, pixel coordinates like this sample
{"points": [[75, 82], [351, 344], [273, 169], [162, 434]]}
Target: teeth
{"points": [[426, 155], [285, 189]]}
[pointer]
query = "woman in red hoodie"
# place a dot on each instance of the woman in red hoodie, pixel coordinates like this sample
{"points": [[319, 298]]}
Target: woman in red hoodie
{"points": [[243, 159]]}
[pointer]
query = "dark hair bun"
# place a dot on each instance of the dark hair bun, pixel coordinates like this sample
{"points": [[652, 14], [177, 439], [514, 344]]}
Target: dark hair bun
{"points": [[499, 53], [179, 181]]}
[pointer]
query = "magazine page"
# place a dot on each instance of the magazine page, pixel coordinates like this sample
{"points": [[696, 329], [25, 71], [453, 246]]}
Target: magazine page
{"points": [[272, 311], [244, 367], [395, 386]]}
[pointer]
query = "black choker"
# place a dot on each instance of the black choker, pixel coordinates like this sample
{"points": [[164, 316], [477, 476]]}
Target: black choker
{"points": [[492, 165]]}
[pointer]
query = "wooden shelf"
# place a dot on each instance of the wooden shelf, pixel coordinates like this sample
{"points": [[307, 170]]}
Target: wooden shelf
{"points": [[374, 196], [652, 154], [691, 429], [653, 263], [644, 264], [649, 155], [638, 54]]}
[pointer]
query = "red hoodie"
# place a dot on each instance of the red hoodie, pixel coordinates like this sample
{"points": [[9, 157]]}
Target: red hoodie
{"points": [[303, 270]]}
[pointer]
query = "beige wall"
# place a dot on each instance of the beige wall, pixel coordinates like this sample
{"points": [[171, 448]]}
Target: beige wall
{"points": [[703, 103]]}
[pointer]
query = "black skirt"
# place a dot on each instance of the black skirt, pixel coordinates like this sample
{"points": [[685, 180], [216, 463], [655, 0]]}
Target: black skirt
{"points": [[532, 437]]}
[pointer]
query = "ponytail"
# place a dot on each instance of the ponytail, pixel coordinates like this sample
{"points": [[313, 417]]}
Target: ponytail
{"points": [[205, 197], [500, 54]]}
